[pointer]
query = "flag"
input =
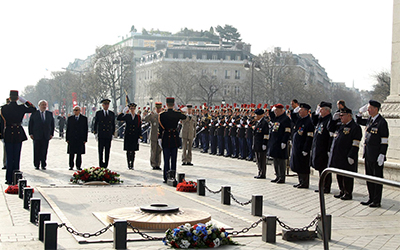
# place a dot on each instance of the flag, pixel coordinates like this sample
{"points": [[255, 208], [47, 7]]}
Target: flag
{"points": [[127, 101]]}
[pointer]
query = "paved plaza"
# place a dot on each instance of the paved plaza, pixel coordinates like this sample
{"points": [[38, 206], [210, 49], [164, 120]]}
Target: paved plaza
{"points": [[354, 226]]}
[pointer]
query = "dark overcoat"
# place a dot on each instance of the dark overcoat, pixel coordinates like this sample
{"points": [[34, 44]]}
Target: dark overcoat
{"points": [[302, 142], [133, 131], [321, 143], [279, 133], [261, 135], [76, 134], [168, 128]]}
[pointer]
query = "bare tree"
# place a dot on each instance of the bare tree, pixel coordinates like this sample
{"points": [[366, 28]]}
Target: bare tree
{"points": [[381, 88]]}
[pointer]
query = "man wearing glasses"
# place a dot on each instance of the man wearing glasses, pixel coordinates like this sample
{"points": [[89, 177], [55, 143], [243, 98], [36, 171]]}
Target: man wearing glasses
{"points": [[76, 137]]}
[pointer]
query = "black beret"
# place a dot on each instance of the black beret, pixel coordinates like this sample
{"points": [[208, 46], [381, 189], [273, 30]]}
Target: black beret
{"points": [[106, 101], [305, 105], [325, 104], [346, 110], [259, 111], [375, 103]]}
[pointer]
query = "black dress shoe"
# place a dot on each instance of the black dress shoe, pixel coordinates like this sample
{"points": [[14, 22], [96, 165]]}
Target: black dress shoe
{"points": [[44, 168], [275, 180], [37, 168], [302, 186], [338, 195], [346, 197], [325, 191], [79, 168], [219, 154], [8, 183], [189, 163], [296, 185], [373, 204], [366, 203], [260, 177], [4, 167], [71, 168], [164, 181], [184, 163], [280, 181]]}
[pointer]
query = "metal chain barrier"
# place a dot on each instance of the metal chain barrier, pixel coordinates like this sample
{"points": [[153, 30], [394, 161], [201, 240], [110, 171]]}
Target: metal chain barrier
{"points": [[144, 235], [238, 202], [246, 229], [213, 192], [312, 223], [85, 235]]}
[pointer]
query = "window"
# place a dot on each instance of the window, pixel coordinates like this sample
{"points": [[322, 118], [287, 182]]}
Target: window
{"points": [[237, 74], [215, 57], [204, 56], [214, 74], [180, 55], [226, 90], [238, 58], [194, 56], [237, 90], [228, 57], [227, 74]]}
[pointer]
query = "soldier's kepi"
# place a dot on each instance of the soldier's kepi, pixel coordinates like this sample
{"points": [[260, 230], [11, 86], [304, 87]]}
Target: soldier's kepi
{"points": [[169, 138]]}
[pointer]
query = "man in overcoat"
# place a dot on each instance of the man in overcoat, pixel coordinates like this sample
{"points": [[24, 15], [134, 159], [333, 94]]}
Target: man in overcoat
{"points": [[76, 137]]}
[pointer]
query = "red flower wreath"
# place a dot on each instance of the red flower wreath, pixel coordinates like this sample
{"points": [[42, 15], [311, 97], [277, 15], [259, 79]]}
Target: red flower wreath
{"points": [[187, 186]]}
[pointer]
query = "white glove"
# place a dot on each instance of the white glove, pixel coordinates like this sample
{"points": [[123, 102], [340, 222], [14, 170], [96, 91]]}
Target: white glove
{"points": [[381, 159], [273, 108], [230, 124], [363, 108], [184, 109], [138, 141], [209, 124], [176, 106], [197, 127], [329, 154], [304, 153], [264, 147], [159, 143], [125, 110], [296, 110], [246, 126], [318, 110], [233, 120], [350, 160], [248, 121], [238, 126], [241, 121], [283, 145], [336, 116], [23, 100]]}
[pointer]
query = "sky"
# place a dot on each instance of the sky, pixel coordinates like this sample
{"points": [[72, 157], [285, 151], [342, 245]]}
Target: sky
{"points": [[351, 39]]}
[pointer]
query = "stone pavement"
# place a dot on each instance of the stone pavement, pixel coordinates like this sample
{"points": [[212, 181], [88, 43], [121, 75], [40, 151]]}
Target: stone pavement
{"points": [[354, 226]]}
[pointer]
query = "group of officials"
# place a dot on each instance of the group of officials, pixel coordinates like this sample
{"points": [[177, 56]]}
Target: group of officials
{"points": [[299, 136]]}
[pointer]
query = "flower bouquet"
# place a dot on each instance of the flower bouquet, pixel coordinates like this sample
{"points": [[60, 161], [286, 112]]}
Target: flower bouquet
{"points": [[95, 174], [13, 189], [197, 236], [187, 186]]}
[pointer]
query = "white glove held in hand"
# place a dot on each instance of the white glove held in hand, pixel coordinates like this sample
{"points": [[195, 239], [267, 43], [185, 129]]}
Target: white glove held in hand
{"points": [[283, 145], [125, 110], [304, 153], [350, 160], [23, 100], [159, 143], [336, 116], [363, 108], [296, 110], [264, 147], [273, 109], [381, 159], [318, 110], [138, 141]]}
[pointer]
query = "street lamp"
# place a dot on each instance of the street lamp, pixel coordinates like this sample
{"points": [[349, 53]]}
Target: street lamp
{"points": [[252, 65], [151, 103]]}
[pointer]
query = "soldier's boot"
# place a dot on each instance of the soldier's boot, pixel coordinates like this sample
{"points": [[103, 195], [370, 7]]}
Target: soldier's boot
{"points": [[132, 158], [129, 159]]}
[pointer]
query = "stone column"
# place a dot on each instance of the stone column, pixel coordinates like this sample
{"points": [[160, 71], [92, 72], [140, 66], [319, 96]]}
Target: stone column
{"points": [[395, 71]]}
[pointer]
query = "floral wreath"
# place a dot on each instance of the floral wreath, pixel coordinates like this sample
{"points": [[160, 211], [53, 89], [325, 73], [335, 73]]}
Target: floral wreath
{"points": [[13, 189], [95, 174], [187, 186]]}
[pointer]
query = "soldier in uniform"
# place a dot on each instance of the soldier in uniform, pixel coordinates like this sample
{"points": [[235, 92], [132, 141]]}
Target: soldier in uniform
{"points": [[301, 147], [14, 134], [322, 142], [61, 124], [249, 136], [227, 138], [220, 133], [155, 149], [169, 137], [76, 137], [133, 132], [278, 139], [188, 133], [104, 128], [213, 132], [260, 143], [375, 148], [344, 152]]}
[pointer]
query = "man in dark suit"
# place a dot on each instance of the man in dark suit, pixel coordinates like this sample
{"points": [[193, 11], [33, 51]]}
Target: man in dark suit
{"points": [[104, 128], [41, 130], [76, 137], [260, 143], [14, 133], [169, 137], [375, 148]]}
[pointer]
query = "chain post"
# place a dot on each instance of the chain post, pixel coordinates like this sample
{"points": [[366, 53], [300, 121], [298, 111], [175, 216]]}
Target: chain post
{"points": [[257, 205], [201, 187], [269, 229], [181, 177], [28, 192], [50, 235], [17, 176], [34, 210], [120, 234], [21, 185], [226, 195], [42, 218], [319, 228]]}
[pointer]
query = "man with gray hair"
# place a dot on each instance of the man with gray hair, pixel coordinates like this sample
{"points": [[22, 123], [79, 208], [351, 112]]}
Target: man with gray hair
{"points": [[41, 130]]}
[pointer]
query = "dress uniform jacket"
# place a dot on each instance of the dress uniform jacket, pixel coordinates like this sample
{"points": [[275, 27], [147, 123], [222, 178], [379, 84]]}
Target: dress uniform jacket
{"points": [[168, 128], [77, 134], [153, 120], [188, 130], [345, 144], [279, 133], [204, 123], [261, 135], [13, 115], [104, 126], [220, 126], [39, 129], [302, 142], [321, 143], [133, 131], [376, 137]]}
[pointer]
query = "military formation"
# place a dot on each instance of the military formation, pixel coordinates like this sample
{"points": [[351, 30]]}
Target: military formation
{"points": [[296, 138]]}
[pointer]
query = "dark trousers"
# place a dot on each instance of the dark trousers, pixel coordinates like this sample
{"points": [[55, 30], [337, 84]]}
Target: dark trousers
{"points": [[104, 145], [13, 157], [280, 168], [242, 147], [221, 145], [304, 179], [170, 156], [328, 181], [228, 145], [374, 190], [78, 162], [213, 142], [197, 140], [261, 159], [130, 158], [40, 152], [235, 146], [250, 148], [205, 141], [345, 184], [61, 132]]}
